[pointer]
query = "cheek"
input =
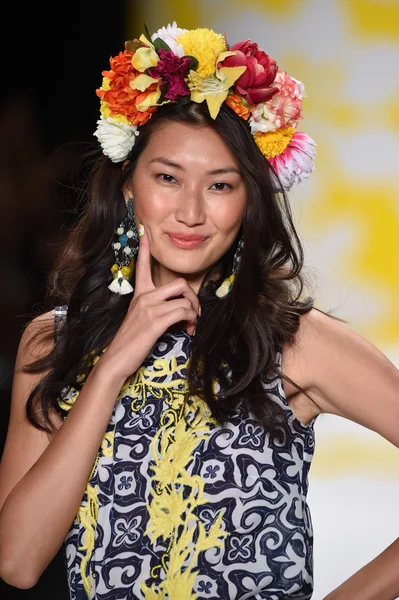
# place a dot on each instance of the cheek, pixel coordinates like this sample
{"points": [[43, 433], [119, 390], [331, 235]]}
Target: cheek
{"points": [[149, 206], [227, 216], [146, 204]]}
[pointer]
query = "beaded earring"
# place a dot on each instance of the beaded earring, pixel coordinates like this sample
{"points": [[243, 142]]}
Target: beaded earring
{"points": [[227, 284], [126, 246]]}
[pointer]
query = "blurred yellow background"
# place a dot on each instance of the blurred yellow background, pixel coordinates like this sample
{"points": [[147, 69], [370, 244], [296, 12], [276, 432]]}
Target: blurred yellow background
{"points": [[346, 52]]}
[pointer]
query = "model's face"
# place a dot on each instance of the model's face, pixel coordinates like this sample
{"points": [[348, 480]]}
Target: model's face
{"points": [[187, 182]]}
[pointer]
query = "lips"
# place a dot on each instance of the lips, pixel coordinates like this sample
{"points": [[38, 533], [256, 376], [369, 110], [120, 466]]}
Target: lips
{"points": [[187, 238], [187, 242]]}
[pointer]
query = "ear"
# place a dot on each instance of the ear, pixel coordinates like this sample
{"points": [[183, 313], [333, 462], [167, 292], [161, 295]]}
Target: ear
{"points": [[127, 192], [127, 188]]}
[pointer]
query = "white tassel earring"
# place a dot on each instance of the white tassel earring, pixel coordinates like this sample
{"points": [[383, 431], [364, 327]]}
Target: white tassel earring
{"points": [[126, 247]]}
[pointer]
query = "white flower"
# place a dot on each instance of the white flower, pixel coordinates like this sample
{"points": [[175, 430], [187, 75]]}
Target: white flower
{"points": [[169, 35], [116, 138], [262, 119]]}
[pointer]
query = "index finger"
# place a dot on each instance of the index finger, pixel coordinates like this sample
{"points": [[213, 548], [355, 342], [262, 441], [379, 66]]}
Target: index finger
{"points": [[143, 281]]}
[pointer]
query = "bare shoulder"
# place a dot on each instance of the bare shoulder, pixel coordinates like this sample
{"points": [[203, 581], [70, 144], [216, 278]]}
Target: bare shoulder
{"points": [[344, 373], [37, 338]]}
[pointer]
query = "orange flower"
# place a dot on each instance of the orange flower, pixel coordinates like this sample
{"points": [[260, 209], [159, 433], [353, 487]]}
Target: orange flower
{"points": [[235, 102], [120, 98]]}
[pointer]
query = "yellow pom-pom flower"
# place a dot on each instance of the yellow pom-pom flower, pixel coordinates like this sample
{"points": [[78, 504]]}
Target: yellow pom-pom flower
{"points": [[205, 45], [126, 271], [273, 143], [107, 113]]}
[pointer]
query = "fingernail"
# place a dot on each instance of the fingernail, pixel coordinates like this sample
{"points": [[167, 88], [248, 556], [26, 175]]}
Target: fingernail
{"points": [[141, 230], [199, 310]]}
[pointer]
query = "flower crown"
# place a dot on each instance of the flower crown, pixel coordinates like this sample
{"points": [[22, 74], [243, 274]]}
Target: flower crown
{"points": [[179, 65]]}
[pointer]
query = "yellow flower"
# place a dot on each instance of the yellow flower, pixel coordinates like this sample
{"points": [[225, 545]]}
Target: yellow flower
{"points": [[145, 57], [150, 100], [214, 88], [273, 143], [106, 113], [105, 84], [142, 82], [205, 45]]}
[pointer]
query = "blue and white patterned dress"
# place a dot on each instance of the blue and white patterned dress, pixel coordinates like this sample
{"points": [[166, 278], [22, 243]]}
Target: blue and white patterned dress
{"points": [[177, 508]]}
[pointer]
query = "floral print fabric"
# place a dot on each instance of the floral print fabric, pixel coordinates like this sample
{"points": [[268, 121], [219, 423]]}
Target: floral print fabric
{"points": [[178, 508]]}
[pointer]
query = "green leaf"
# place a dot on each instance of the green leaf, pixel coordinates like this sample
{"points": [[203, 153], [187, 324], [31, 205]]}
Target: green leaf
{"points": [[193, 64], [164, 90], [183, 99], [158, 44], [147, 32]]}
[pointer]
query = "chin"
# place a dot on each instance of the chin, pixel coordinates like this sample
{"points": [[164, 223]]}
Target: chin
{"points": [[185, 269]]}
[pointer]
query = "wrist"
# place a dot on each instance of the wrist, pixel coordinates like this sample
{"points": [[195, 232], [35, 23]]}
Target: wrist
{"points": [[105, 374]]}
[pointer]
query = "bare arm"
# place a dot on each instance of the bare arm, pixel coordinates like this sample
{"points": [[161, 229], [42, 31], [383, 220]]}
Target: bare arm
{"points": [[38, 511], [349, 377]]}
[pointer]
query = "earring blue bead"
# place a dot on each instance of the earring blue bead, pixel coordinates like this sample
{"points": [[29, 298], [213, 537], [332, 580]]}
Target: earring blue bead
{"points": [[125, 246]]}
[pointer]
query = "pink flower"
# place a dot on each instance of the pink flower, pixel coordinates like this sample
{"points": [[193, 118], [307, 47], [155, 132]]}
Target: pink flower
{"points": [[283, 109], [171, 69], [255, 84], [296, 162], [287, 103]]}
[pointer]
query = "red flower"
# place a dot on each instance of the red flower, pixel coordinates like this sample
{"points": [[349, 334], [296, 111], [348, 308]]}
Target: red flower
{"points": [[255, 84], [171, 69]]}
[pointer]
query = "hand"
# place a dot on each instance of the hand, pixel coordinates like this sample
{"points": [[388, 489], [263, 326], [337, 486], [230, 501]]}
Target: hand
{"points": [[151, 312]]}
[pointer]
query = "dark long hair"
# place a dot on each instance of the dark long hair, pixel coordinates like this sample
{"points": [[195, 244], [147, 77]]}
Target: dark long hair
{"points": [[241, 333]]}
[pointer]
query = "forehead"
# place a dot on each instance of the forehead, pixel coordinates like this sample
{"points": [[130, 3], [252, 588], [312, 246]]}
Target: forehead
{"points": [[189, 143]]}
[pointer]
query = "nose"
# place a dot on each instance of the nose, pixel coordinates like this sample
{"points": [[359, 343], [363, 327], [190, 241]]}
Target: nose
{"points": [[190, 209]]}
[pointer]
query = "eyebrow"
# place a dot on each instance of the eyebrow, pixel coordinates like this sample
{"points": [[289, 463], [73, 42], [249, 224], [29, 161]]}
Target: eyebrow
{"points": [[171, 163]]}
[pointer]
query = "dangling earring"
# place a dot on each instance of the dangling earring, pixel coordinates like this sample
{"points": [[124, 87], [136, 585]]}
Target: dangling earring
{"points": [[126, 247], [227, 284]]}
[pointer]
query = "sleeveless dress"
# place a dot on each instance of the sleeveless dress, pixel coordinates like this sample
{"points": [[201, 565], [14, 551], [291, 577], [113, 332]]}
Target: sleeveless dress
{"points": [[178, 508]]}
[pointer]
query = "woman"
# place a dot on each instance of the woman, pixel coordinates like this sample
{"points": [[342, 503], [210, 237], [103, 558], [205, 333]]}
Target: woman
{"points": [[162, 414]]}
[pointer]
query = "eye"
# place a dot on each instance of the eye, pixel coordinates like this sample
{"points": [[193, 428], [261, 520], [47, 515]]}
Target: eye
{"points": [[220, 187], [165, 177]]}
